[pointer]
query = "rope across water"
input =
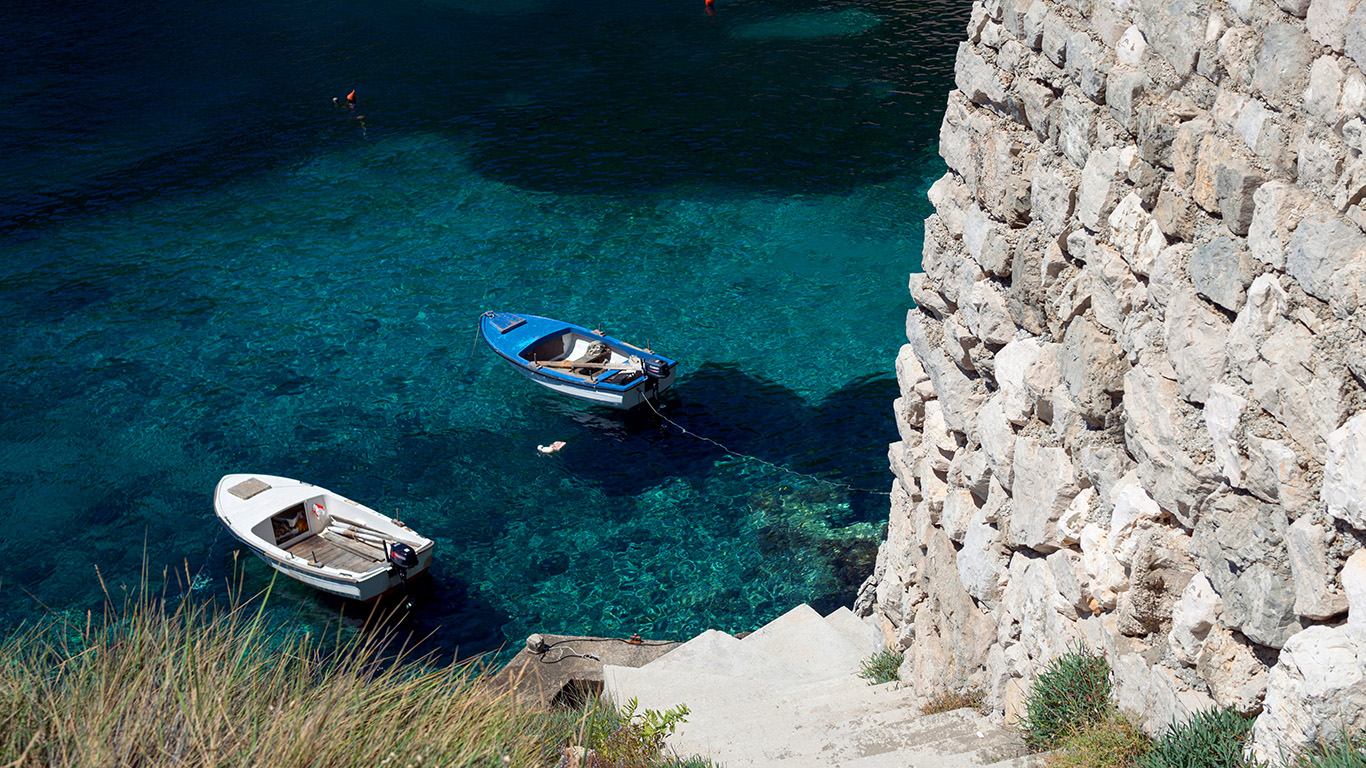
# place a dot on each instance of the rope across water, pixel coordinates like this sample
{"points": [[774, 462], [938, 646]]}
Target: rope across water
{"points": [[771, 465]]}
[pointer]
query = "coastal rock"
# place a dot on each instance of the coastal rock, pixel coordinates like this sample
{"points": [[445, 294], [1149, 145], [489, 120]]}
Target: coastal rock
{"points": [[1344, 478], [1316, 691], [1195, 336], [1045, 484], [1222, 271], [1093, 366], [1240, 545], [1316, 593], [1193, 614]]}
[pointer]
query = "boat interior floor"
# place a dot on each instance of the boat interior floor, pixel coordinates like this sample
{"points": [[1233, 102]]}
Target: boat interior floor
{"points": [[337, 551]]}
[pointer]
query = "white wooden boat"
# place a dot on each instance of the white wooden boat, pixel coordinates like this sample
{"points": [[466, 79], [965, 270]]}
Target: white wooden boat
{"points": [[325, 540]]}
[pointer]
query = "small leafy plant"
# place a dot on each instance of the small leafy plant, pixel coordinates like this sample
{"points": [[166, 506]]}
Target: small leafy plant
{"points": [[630, 737], [1071, 694], [882, 667], [1214, 738], [1345, 751]]}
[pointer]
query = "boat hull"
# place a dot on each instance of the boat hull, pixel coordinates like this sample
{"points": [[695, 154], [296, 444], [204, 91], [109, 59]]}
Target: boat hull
{"points": [[518, 339], [363, 587], [624, 400]]}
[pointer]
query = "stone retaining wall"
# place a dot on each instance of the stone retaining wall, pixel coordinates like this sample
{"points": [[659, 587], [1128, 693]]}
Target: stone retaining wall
{"points": [[1131, 408]]}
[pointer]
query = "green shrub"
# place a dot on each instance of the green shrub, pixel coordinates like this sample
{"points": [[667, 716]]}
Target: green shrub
{"points": [[630, 737], [1111, 742], [973, 698], [1072, 693], [1214, 738], [1346, 751], [882, 667]]}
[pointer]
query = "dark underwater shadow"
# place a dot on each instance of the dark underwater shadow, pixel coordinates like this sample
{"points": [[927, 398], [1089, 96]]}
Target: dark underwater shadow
{"points": [[841, 438], [580, 97]]}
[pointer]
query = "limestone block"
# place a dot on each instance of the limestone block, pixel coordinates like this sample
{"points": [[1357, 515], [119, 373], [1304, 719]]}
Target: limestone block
{"points": [[982, 560], [1193, 614], [1234, 185], [1056, 33], [1344, 473], [1076, 126], [1316, 594], [909, 372], [1116, 294], [1102, 180], [924, 294], [1223, 410], [1354, 585], [1195, 335], [984, 312], [998, 440], [1093, 367], [1133, 510], [1036, 99], [1052, 196], [1277, 210], [1087, 66], [1273, 473], [958, 510], [1123, 89], [1308, 407], [1131, 46], [1235, 675], [1174, 29], [1263, 312], [1157, 436], [1327, 21], [1169, 275], [1212, 154], [985, 242], [1013, 364], [1174, 212], [1222, 270], [1240, 545], [961, 396], [1282, 64], [1187, 144], [981, 82], [1316, 690], [1325, 88], [1354, 42], [1045, 484], [1319, 247], [959, 342], [1294, 7], [1320, 159], [1042, 379]]}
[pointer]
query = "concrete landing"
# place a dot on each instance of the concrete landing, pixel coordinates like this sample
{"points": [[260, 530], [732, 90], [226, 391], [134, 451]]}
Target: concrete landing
{"points": [[572, 667], [789, 695]]}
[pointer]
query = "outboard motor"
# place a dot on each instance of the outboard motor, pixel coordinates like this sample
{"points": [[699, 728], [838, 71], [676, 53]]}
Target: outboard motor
{"points": [[657, 368], [402, 557]]}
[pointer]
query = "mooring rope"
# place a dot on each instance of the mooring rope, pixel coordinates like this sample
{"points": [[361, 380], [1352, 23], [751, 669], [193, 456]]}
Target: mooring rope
{"points": [[765, 462]]}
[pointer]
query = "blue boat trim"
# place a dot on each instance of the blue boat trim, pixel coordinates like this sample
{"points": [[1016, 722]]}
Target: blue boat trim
{"points": [[509, 334]]}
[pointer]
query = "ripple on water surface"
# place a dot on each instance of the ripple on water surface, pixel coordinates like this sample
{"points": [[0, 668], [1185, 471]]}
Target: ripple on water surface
{"points": [[261, 284]]}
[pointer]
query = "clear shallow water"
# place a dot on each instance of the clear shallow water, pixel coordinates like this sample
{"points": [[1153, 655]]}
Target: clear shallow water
{"points": [[206, 267]]}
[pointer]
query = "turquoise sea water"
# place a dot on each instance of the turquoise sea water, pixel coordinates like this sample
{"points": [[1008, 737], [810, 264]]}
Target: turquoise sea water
{"points": [[207, 267]]}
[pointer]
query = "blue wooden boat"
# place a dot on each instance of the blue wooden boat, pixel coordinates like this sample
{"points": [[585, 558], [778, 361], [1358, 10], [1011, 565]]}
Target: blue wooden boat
{"points": [[576, 361]]}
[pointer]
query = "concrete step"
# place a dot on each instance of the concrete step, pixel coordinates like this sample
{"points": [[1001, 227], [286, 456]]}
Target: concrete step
{"points": [[858, 632], [806, 645], [833, 742]]}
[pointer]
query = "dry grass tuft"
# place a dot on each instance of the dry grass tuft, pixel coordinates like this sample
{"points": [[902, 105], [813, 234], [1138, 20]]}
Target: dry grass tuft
{"points": [[159, 682], [1113, 741], [973, 698]]}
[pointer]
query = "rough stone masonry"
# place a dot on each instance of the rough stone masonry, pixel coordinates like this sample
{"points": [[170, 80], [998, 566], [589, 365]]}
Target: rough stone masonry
{"points": [[1133, 401]]}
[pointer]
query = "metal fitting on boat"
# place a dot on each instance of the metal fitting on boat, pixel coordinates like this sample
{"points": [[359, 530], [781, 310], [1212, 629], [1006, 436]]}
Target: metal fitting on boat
{"points": [[536, 644]]}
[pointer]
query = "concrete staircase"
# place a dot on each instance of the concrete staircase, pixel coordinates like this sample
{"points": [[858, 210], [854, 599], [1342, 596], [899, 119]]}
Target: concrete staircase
{"points": [[789, 695]]}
